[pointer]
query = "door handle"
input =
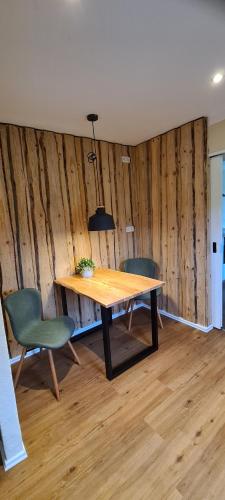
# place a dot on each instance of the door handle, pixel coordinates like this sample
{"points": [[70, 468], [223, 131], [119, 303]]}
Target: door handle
{"points": [[214, 247]]}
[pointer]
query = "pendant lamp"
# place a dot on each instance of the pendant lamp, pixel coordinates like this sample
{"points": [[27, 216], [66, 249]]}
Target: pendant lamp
{"points": [[100, 221]]}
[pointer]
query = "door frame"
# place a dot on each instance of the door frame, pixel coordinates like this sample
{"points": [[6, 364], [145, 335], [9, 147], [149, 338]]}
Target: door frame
{"points": [[216, 238]]}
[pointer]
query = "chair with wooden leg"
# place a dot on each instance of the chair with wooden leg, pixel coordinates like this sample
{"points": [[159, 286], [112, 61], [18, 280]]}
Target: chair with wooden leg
{"points": [[24, 309], [144, 267]]}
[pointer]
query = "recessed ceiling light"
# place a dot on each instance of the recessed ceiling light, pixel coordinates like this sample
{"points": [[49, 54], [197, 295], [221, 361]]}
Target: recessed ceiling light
{"points": [[217, 78]]}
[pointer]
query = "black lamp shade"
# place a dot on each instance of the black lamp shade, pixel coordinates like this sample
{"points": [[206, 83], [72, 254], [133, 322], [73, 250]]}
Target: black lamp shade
{"points": [[101, 221]]}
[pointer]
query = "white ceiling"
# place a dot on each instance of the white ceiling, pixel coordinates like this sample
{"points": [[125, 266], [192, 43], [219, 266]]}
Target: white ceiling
{"points": [[144, 65]]}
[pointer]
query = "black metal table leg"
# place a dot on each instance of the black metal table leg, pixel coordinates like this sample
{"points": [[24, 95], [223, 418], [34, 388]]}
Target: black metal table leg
{"points": [[112, 372], [110, 315], [154, 319], [106, 322], [106, 342], [64, 301]]}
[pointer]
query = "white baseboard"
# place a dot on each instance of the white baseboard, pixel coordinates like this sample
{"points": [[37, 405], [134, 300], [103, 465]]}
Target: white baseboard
{"points": [[16, 459], [98, 323], [28, 354], [202, 328]]}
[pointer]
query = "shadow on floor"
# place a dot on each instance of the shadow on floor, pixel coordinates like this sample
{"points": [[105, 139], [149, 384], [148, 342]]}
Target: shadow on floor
{"points": [[122, 342], [36, 372]]}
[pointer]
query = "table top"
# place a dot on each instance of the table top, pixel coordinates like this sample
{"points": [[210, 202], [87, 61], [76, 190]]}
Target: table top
{"points": [[109, 287]]}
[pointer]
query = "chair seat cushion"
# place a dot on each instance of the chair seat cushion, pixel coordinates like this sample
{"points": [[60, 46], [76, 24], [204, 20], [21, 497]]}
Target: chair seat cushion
{"points": [[52, 333]]}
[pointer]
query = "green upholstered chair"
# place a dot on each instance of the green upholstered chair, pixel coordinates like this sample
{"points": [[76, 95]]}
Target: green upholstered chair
{"points": [[24, 309], [144, 267]]}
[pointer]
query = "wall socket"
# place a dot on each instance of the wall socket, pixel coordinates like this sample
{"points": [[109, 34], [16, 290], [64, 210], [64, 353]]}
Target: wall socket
{"points": [[129, 229], [125, 159]]}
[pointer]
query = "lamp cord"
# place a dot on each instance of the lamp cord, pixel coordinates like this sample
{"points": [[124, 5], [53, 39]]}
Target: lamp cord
{"points": [[96, 168]]}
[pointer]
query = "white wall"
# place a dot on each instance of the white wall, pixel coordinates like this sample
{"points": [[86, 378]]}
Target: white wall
{"points": [[223, 213], [11, 443], [223, 217], [216, 137], [216, 144]]}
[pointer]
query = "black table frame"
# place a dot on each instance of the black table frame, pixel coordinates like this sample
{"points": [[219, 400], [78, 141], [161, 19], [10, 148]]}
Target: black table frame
{"points": [[106, 313]]}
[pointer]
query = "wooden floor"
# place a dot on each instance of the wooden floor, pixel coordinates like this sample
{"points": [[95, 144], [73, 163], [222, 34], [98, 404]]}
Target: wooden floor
{"points": [[155, 432]]}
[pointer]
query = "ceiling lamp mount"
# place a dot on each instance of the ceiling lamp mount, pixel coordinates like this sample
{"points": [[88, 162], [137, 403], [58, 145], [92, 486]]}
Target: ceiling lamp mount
{"points": [[92, 157], [92, 117], [100, 221]]}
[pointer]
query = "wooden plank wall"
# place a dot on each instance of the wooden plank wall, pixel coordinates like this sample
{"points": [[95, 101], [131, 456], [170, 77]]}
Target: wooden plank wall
{"points": [[173, 216], [48, 191]]}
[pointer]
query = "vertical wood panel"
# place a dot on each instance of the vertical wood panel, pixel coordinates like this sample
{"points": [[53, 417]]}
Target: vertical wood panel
{"points": [[187, 224], [127, 201], [156, 201], [22, 209], [200, 187], [120, 194], [144, 200], [173, 261], [43, 255], [163, 301], [133, 173]]}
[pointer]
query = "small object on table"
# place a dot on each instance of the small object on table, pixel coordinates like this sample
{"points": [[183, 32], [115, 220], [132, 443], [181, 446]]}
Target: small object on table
{"points": [[85, 267]]}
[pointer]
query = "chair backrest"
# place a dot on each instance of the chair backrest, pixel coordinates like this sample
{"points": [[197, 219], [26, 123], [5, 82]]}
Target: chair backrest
{"points": [[143, 266], [24, 309]]}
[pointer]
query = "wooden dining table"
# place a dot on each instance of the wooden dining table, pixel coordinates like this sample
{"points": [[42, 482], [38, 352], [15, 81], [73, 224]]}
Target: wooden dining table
{"points": [[109, 288]]}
